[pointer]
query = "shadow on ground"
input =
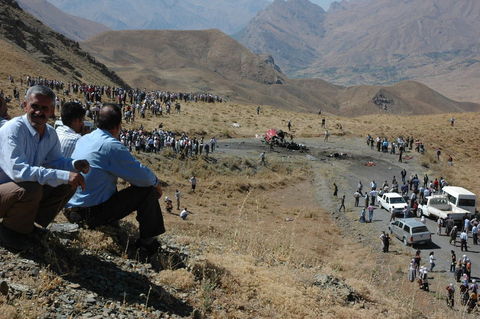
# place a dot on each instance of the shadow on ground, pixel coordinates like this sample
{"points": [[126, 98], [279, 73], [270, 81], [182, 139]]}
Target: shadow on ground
{"points": [[105, 278]]}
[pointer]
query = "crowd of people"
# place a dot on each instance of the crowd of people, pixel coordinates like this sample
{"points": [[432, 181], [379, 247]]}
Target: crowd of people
{"points": [[396, 146], [75, 170], [154, 141], [415, 190]]}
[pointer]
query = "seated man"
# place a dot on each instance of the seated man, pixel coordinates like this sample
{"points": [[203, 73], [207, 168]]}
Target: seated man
{"points": [[73, 115], [36, 181], [100, 203]]}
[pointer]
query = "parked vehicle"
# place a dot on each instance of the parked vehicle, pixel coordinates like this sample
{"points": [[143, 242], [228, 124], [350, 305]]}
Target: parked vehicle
{"points": [[438, 206], [393, 202], [410, 231], [461, 198]]}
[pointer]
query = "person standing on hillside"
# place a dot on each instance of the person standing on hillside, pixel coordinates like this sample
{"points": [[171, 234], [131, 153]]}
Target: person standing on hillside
{"points": [[289, 125], [327, 134], [193, 181], [335, 190], [452, 121], [258, 110], [356, 196], [4, 117], [342, 204], [73, 115], [35, 179], [177, 197], [100, 203], [262, 159]]}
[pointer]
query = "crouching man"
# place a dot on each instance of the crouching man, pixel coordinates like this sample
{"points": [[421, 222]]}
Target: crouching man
{"points": [[36, 181], [100, 203]]}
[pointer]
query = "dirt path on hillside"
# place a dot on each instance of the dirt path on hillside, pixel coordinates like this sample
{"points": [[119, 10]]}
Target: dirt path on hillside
{"points": [[346, 173]]}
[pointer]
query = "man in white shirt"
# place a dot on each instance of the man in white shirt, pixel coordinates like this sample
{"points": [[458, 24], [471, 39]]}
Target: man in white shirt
{"points": [[73, 115], [184, 214], [35, 179], [475, 234], [463, 240]]}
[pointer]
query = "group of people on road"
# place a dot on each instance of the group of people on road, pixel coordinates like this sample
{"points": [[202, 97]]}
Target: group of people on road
{"points": [[396, 146]]}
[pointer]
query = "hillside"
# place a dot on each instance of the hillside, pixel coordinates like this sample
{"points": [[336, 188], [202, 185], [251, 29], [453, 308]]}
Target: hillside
{"points": [[72, 27], [213, 62], [289, 31], [375, 42], [227, 15], [30, 48]]}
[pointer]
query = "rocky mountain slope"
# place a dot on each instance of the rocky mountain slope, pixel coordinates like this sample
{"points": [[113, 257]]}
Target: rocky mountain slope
{"points": [[227, 15], [374, 41], [212, 61], [290, 31], [72, 27], [28, 47]]}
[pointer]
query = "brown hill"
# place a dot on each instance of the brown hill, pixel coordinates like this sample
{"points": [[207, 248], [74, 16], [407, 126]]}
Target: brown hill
{"points": [[213, 62], [72, 27], [29, 47], [375, 42]]}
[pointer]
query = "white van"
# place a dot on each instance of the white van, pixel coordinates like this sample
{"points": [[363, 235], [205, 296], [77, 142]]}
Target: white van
{"points": [[461, 197]]}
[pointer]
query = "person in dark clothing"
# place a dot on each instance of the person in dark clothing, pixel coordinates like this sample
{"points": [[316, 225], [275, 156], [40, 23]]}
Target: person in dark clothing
{"points": [[453, 262], [335, 190], [342, 204]]}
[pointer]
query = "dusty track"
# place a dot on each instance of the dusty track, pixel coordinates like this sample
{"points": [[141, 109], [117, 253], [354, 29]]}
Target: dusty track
{"points": [[346, 173]]}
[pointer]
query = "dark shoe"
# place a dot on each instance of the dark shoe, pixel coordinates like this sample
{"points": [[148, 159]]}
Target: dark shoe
{"points": [[38, 234], [147, 250], [14, 241], [74, 216]]}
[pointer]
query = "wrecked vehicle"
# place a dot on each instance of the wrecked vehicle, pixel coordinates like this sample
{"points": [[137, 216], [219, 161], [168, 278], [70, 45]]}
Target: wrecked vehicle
{"points": [[278, 138]]}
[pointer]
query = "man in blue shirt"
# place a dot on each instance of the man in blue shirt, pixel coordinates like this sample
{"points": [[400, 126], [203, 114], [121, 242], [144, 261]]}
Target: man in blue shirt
{"points": [[35, 179], [100, 203]]}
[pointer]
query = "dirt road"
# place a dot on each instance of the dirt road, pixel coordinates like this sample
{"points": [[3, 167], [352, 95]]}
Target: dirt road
{"points": [[346, 173]]}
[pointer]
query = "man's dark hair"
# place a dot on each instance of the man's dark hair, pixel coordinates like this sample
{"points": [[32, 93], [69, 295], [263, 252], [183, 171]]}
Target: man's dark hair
{"points": [[110, 116], [72, 111]]}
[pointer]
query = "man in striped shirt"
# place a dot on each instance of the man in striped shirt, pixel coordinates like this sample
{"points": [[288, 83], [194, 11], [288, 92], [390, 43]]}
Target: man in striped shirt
{"points": [[73, 115]]}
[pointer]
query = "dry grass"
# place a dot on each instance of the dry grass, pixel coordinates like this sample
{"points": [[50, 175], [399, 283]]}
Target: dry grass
{"points": [[262, 231]]}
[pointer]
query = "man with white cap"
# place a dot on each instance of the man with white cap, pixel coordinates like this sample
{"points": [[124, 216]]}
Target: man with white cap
{"points": [[463, 240]]}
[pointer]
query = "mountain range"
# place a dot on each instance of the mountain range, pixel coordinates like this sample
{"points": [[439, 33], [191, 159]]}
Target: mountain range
{"points": [[374, 41], [211, 61], [198, 61], [227, 15]]}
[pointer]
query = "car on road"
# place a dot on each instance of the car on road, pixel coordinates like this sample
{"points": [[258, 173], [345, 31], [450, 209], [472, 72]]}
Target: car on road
{"points": [[410, 231], [438, 206], [393, 202]]}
